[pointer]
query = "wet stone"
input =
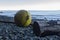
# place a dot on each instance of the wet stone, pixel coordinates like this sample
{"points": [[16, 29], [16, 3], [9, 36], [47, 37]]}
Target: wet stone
{"points": [[10, 31], [0, 37]]}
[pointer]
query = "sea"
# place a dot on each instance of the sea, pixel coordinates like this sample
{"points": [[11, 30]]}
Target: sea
{"points": [[49, 15]]}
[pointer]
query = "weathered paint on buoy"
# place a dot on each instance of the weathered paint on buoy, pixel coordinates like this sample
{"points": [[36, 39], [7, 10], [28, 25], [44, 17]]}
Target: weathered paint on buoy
{"points": [[22, 18]]}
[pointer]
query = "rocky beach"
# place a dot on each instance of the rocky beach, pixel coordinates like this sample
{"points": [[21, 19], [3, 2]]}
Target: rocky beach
{"points": [[9, 31]]}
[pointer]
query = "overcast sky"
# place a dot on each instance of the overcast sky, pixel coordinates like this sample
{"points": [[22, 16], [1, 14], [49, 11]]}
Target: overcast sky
{"points": [[30, 4]]}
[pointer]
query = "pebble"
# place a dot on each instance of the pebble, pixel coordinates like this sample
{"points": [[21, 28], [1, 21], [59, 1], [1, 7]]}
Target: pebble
{"points": [[10, 31]]}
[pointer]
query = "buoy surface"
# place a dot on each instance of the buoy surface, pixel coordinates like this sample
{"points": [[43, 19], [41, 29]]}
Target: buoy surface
{"points": [[22, 18]]}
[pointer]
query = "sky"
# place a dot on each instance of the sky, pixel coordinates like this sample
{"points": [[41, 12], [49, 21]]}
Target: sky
{"points": [[29, 4]]}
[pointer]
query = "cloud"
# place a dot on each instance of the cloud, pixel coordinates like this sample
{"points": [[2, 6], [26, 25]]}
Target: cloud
{"points": [[30, 4]]}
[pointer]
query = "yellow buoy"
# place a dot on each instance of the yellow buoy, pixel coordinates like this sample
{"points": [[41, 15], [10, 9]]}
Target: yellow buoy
{"points": [[22, 18]]}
